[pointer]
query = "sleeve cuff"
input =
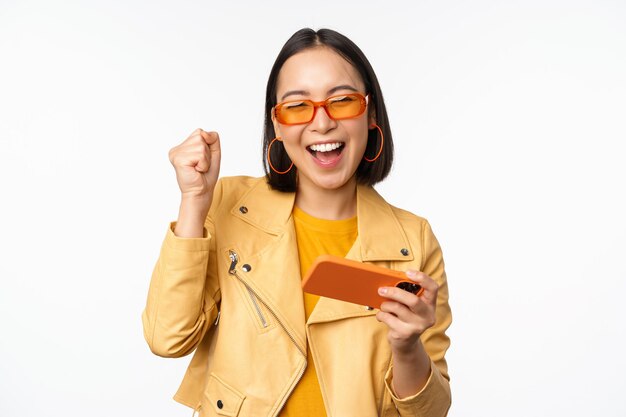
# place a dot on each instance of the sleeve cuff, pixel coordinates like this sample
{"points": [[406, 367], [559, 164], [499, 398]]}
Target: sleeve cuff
{"points": [[432, 400], [189, 244]]}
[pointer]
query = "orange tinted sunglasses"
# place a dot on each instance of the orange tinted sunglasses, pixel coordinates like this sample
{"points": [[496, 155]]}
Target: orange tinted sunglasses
{"points": [[344, 106]]}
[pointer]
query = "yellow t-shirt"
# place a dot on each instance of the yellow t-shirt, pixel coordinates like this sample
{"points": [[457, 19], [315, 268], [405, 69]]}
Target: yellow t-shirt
{"points": [[315, 237]]}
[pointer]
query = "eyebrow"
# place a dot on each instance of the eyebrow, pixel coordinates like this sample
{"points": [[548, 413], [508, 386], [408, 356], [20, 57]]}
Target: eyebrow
{"points": [[331, 91]]}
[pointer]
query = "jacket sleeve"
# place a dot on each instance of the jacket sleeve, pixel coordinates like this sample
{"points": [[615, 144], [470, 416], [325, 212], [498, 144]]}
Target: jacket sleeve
{"points": [[184, 294], [434, 399]]}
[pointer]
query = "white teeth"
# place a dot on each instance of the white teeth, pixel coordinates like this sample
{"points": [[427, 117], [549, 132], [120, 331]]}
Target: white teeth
{"points": [[325, 147]]}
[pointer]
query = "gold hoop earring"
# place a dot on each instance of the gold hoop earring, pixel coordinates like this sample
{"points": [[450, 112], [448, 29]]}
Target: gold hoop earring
{"points": [[269, 161], [382, 143]]}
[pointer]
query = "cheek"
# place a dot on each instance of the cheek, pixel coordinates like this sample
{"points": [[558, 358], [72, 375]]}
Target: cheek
{"points": [[291, 136], [359, 134]]}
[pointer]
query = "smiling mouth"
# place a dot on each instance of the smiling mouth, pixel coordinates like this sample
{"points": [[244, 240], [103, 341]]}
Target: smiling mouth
{"points": [[326, 152]]}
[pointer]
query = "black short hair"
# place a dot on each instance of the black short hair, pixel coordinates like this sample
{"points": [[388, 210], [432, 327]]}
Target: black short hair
{"points": [[368, 173]]}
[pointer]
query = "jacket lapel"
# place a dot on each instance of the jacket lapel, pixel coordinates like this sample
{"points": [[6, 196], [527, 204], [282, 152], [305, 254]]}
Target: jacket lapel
{"points": [[381, 235], [274, 261]]}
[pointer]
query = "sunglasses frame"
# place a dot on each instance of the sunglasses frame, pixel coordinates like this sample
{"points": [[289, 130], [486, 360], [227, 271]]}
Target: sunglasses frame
{"points": [[317, 104]]}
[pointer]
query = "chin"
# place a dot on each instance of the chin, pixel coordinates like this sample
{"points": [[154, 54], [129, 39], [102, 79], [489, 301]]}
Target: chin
{"points": [[332, 183]]}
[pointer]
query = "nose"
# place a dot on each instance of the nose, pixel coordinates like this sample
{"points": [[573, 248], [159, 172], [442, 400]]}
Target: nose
{"points": [[322, 121]]}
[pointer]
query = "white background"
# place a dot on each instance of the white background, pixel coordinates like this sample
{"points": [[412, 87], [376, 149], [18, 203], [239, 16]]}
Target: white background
{"points": [[509, 124]]}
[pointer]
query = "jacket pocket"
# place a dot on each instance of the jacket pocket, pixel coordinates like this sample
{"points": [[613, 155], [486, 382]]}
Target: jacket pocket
{"points": [[221, 399], [256, 306], [256, 310]]}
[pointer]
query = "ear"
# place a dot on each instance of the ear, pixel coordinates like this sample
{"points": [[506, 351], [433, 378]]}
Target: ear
{"points": [[275, 123], [371, 119]]}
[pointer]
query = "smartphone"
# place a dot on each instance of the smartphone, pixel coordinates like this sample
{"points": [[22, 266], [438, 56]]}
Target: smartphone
{"points": [[353, 281]]}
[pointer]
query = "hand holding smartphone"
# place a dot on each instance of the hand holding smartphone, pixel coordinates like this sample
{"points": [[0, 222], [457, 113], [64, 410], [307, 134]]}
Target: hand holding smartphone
{"points": [[354, 282]]}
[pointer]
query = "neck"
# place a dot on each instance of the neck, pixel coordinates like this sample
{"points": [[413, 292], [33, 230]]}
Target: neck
{"points": [[335, 204]]}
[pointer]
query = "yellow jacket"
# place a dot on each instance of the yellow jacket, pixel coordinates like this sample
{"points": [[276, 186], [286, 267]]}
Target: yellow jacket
{"points": [[235, 297]]}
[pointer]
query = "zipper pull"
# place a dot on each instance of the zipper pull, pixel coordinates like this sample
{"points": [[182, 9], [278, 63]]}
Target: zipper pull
{"points": [[233, 261]]}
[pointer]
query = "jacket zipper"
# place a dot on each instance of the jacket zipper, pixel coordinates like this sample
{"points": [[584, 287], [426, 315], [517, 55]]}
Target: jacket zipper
{"points": [[233, 263], [234, 258], [257, 308]]}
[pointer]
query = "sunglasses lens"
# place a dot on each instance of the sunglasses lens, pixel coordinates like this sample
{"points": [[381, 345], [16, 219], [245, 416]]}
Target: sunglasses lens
{"points": [[295, 112], [344, 107]]}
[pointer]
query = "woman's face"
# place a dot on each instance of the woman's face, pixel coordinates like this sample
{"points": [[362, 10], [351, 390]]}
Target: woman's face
{"points": [[317, 74]]}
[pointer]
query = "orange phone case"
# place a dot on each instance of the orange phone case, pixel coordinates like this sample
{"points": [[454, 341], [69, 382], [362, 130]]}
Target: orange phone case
{"points": [[352, 281]]}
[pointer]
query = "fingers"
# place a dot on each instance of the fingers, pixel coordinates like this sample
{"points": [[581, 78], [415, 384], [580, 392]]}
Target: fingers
{"points": [[192, 154], [197, 163], [407, 315], [211, 138], [202, 150], [430, 285], [399, 310], [429, 295], [392, 321], [189, 157]]}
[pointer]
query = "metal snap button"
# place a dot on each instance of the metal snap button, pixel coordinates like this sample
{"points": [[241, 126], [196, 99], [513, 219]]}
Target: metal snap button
{"points": [[404, 251], [368, 308], [243, 209], [220, 404], [246, 268]]}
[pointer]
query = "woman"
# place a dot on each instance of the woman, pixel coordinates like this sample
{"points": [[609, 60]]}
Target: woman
{"points": [[227, 281]]}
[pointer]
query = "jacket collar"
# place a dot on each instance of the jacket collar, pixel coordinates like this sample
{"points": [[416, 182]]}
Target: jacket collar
{"points": [[380, 236]]}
